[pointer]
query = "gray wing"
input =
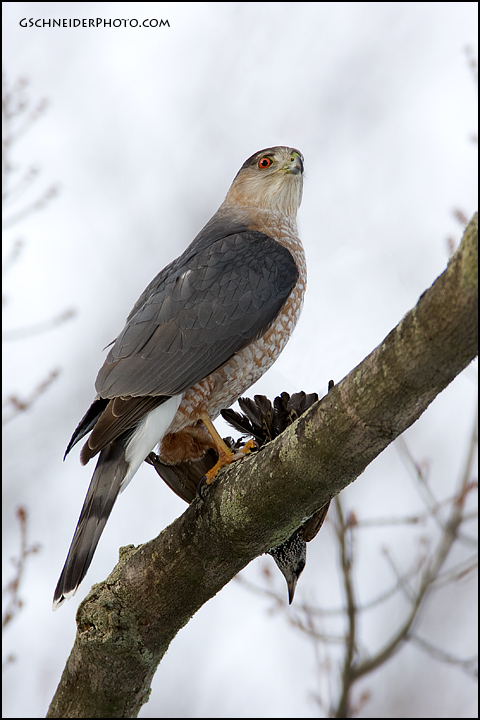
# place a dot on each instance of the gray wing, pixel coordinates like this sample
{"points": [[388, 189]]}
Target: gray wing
{"points": [[197, 313]]}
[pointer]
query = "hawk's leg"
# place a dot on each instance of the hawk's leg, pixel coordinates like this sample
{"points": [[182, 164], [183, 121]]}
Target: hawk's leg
{"points": [[225, 455]]}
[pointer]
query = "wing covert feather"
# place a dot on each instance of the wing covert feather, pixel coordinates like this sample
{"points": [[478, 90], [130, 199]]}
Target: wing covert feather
{"points": [[197, 313]]}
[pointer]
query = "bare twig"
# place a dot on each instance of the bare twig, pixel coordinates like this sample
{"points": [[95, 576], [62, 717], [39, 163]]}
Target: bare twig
{"points": [[18, 115], [39, 328], [345, 541], [12, 589], [468, 665], [13, 405]]}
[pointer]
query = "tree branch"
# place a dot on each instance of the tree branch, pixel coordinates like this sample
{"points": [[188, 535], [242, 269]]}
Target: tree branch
{"points": [[126, 623]]}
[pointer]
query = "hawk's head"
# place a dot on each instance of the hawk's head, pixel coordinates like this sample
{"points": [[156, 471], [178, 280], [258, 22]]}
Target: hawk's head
{"points": [[271, 179]]}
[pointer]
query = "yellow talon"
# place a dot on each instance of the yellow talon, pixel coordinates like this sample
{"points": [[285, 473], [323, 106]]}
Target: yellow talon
{"points": [[225, 455], [225, 458]]}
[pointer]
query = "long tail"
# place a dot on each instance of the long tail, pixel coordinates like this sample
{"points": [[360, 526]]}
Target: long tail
{"points": [[110, 472]]}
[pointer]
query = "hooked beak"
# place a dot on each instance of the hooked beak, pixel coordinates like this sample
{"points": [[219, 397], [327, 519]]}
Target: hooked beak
{"points": [[295, 166]]}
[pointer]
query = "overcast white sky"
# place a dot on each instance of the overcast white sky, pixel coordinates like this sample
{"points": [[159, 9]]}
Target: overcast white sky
{"points": [[145, 130]]}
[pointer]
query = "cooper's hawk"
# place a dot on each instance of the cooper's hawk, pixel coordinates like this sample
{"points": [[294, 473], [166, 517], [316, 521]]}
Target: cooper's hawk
{"points": [[205, 329]]}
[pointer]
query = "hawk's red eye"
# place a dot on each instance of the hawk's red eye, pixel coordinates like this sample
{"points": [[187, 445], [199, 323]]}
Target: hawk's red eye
{"points": [[264, 162]]}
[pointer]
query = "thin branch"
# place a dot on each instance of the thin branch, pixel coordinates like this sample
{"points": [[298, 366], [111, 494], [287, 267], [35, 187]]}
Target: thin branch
{"points": [[22, 186], [12, 256], [345, 540], [14, 405], [38, 328], [35, 206], [12, 590], [433, 506], [469, 665], [458, 572], [429, 576]]}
